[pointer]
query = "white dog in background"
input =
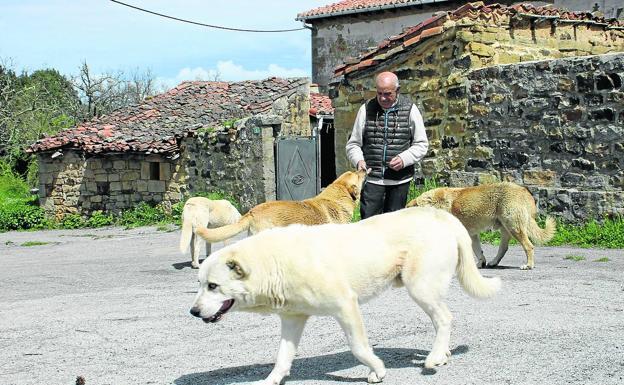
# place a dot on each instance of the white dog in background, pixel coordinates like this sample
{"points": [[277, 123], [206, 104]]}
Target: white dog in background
{"points": [[299, 271], [204, 212]]}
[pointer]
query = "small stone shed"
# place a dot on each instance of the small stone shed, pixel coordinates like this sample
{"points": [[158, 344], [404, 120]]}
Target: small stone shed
{"points": [[199, 136], [522, 93]]}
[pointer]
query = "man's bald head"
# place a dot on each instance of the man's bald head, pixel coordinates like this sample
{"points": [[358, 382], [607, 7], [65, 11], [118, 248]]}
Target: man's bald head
{"points": [[387, 85], [387, 79]]}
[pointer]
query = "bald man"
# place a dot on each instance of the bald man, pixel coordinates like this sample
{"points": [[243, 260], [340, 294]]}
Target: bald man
{"points": [[389, 138]]}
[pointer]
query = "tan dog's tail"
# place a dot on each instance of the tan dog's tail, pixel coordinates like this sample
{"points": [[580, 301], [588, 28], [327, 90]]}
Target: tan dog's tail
{"points": [[468, 274], [539, 235], [224, 232]]}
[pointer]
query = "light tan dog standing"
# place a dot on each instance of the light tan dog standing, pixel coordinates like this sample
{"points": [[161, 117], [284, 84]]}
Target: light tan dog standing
{"points": [[505, 206], [335, 204], [329, 270], [201, 212]]}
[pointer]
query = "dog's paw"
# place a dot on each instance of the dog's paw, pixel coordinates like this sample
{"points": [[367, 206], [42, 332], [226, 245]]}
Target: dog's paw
{"points": [[194, 265], [437, 359], [482, 263], [526, 267], [373, 378], [491, 265]]}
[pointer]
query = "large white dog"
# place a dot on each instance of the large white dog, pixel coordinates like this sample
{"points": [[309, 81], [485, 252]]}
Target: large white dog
{"points": [[200, 212], [299, 271]]}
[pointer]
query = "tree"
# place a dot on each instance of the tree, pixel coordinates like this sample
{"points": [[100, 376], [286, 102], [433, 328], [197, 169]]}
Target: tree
{"points": [[102, 94], [31, 105]]}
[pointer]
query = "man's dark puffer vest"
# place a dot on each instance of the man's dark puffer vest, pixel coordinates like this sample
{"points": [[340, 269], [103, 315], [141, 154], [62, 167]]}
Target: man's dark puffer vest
{"points": [[382, 142]]}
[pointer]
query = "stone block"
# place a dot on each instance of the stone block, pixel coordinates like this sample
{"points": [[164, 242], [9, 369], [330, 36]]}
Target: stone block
{"points": [[539, 177], [487, 178], [156, 186], [129, 176], [101, 177], [165, 171], [113, 177], [145, 170], [119, 164], [481, 50], [480, 110], [115, 186]]}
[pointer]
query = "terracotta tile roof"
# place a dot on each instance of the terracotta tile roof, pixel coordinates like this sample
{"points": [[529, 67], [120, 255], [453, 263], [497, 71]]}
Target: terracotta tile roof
{"points": [[157, 124], [320, 104], [413, 36], [357, 6]]}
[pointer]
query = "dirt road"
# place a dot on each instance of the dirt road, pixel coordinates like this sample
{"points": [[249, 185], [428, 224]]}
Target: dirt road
{"points": [[112, 305]]}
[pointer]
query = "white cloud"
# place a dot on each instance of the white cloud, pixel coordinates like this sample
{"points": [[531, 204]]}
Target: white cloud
{"points": [[230, 71]]}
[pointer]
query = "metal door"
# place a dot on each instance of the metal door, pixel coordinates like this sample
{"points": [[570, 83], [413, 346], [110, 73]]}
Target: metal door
{"points": [[296, 168]]}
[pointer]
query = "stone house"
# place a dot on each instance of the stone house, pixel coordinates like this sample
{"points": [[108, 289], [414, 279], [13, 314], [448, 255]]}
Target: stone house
{"points": [[342, 30], [199, 136], [522, 93]]}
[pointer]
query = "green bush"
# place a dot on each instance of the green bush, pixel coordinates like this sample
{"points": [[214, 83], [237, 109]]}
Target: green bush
{"points": [[73, 221], [18, 208], [142, 215], [99, 219], [19, 216]]}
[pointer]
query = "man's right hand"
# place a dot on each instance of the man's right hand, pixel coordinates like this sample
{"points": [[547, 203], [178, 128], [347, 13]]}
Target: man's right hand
{"points": [[361, 165]]}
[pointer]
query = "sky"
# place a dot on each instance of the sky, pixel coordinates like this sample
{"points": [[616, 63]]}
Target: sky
{"points": [[62, 34]]}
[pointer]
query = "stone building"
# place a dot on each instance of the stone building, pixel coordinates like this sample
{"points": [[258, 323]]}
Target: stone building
{"points": [[342, 30], [522, 93], [198, 136]]}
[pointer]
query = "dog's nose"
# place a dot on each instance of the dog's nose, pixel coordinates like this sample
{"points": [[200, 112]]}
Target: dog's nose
{"points": [[195, 311]]}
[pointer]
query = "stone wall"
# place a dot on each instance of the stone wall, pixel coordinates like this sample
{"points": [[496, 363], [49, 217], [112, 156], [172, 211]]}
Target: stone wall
{"points": [[433, 72], [239, 161], [77, 184], [554, 126]]}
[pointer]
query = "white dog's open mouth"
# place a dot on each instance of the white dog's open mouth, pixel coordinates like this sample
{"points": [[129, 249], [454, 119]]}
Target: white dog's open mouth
{"points": [[224, 308]]}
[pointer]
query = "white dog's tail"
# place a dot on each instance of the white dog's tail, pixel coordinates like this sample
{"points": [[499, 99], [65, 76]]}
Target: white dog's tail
{"points": [[468, 274], [539, 235], [187, 232], [189, 221]]}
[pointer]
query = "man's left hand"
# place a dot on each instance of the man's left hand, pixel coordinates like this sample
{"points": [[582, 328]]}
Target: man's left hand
{"points": [[396, 163]]}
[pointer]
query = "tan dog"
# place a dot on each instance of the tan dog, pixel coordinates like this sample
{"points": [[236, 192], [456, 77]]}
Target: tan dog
{"points": [[203, 212], [301, 271], [335, 204], [505, 206]]}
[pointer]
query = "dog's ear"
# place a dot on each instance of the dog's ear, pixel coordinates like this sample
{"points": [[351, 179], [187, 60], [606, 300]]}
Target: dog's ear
{"points": [[354, 191], [236, 268]]}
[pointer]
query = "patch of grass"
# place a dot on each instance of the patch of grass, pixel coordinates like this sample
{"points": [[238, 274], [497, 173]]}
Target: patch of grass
{"points": [[608, 234], [603, 259], [34, 243], [575, 258]]}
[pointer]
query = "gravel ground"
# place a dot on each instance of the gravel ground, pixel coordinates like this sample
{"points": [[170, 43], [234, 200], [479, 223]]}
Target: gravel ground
{"points": [[111, 305]]}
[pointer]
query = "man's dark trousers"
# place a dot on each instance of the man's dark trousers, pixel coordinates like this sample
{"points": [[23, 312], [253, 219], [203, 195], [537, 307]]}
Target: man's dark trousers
{"points": [[377, 199]]}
